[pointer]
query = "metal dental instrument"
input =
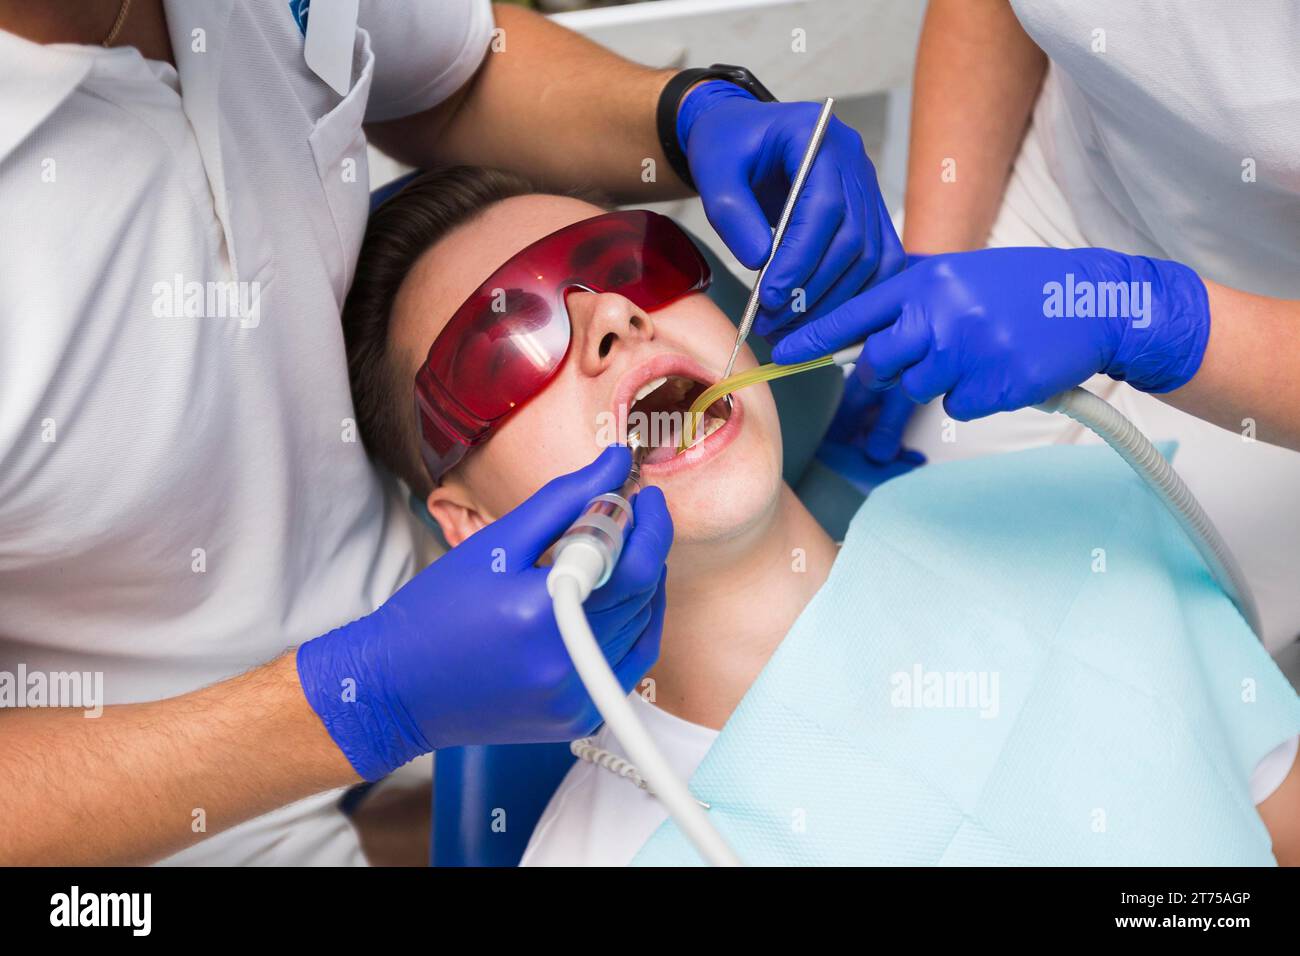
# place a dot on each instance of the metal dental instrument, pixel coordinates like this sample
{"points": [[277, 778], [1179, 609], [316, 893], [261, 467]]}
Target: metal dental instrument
{"points": [[809, 155], [601, 530]]}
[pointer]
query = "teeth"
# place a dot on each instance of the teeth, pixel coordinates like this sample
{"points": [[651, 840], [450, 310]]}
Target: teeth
{"points": [[649, 387], [707, 428]]}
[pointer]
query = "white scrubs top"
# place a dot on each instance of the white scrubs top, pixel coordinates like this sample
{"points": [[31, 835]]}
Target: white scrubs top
{"points": [[1142, 148], [1182, 138], [182, 492]]}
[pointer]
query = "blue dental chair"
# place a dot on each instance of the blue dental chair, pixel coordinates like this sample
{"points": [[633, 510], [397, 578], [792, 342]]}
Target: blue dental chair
{"points": [[487, 799]]}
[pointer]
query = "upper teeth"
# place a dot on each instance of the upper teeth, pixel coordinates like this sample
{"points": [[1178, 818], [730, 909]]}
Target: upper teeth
{"points": [[649, 387]]}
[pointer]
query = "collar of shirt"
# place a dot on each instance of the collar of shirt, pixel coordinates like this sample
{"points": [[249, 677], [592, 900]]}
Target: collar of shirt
{"points": [[34, 80], [200, 73]]}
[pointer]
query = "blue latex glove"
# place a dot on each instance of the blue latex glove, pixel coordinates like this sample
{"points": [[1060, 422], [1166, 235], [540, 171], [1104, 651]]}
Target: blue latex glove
{"points": [[864, 441], [1000, 329], [852, 463], [468, 652], [743, 154], [872, 420]]}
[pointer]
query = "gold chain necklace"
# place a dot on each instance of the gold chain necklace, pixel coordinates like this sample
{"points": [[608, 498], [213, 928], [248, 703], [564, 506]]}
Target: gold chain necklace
{"points": [[117, 24]]}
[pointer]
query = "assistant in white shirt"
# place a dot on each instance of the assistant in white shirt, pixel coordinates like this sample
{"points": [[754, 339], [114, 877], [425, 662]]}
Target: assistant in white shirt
{"points": [[182, 493]]}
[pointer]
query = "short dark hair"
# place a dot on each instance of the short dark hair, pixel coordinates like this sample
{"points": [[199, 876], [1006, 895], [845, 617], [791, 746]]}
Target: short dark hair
{"points": [[398, 233]]}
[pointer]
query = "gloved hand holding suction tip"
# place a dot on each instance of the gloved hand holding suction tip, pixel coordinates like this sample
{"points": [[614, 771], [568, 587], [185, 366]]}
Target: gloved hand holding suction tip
{"points": [[985, 331], [997, 330]]}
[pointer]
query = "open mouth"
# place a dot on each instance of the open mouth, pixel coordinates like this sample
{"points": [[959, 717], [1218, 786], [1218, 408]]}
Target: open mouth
{"points": [[660, 410]]}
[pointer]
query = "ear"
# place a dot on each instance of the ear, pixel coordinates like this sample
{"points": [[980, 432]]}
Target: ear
{"points": [[456, 512]]}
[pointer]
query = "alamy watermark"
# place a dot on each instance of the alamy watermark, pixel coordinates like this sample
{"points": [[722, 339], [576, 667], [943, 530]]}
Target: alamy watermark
{"points": [[179, 299], [74, 689], [1085, 299], [133, 911], [921, 689]]}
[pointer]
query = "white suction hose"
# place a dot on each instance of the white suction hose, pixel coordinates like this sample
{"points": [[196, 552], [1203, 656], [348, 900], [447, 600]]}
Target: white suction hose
{"points": [[1144, 458], [572, 578], [1119, 433]]}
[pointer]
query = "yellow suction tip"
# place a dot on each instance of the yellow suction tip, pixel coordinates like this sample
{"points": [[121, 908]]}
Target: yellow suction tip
{"points": [[764, 373]]}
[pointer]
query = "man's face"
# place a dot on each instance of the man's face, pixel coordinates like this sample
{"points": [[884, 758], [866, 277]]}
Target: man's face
{"points": [[725, 486]]}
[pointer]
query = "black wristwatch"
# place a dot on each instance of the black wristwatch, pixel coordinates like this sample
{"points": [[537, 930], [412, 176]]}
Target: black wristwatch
{"points": [[671, 98]]}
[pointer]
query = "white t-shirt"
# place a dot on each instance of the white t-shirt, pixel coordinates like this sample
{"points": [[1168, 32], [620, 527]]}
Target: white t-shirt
{"points": [[597, 818], [1171, 128], [182, 493]]}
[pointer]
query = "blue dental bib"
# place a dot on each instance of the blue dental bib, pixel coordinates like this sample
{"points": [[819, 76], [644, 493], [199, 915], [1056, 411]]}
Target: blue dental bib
{"points": [[1018, 659]]}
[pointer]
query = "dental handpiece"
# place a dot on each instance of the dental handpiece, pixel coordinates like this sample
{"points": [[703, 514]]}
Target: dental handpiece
{"points": [[595, 540], [585, 557]]}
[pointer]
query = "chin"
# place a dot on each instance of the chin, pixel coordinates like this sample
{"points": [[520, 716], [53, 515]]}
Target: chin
{"points": [[726, 496]]}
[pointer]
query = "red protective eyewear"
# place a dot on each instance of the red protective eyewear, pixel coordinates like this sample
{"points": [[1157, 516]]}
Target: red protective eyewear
{"points": [[510, 337]]}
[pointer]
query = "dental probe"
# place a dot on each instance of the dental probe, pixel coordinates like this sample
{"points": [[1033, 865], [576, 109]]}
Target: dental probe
{"points": [[805, 165]]}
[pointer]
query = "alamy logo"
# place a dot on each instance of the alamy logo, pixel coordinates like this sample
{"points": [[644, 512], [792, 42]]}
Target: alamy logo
{"points": [[134, 910], [921, 689], [179, 299], [1085, 299], [83, 689]]}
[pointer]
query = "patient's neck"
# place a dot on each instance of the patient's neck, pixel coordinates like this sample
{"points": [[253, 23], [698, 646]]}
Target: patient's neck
{"points": [[729, 606]]}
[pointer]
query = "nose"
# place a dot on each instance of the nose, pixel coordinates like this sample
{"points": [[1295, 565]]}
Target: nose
{"points": [[603, 324]]}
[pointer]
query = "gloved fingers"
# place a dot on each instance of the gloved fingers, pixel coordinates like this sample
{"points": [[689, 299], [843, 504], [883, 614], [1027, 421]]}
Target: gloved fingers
{"points": [[856, 278], [643, 654], [893, 257], [809, 242], [978, 396], [934, 375], [644, 554], [618, 630], [852, 463], [899, 346], [851, 322], [532, 527], [886, 436], [734, 211], [878, 252], [965, 404], [843, 272], [855, 404]]}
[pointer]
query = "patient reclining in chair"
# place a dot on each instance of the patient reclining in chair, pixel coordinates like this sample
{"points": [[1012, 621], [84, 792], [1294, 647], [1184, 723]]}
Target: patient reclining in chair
{"points": [[891, 619]]}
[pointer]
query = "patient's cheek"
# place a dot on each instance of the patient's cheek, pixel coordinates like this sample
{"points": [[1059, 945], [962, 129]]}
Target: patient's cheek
{"points": [[540, 443]]}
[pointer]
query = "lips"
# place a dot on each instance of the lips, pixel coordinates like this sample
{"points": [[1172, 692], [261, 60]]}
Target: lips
{"points": [[656, 395]]}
